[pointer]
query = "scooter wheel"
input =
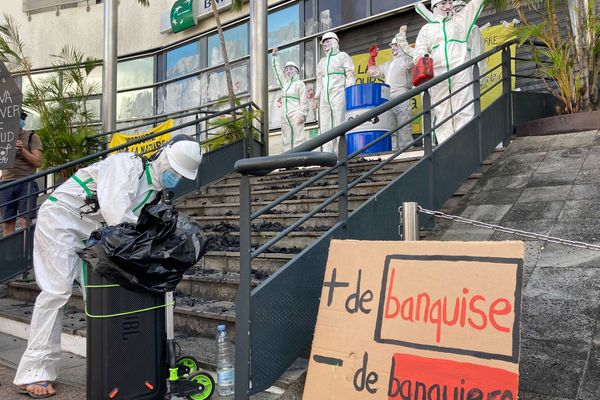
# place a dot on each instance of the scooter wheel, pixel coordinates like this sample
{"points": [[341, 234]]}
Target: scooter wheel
{"points": [[186, 366], [208, 385]]}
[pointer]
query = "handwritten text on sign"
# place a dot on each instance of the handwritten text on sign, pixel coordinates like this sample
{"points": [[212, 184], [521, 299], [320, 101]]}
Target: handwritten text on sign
{"points": [[418, 320], [10, 113]]}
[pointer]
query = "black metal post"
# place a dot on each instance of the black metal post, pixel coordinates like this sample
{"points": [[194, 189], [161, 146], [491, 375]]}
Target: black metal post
{"points": [[427, 145], [242, 307], [427, 140], [477, 109], [28, 238], [343, 184], [507, 92]]}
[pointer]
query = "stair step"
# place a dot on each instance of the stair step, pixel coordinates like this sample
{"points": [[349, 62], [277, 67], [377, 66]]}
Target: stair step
{"points": [[212, 284], [294, 239], [322, 222], [229, 261], [192, 316], [291, 206]]}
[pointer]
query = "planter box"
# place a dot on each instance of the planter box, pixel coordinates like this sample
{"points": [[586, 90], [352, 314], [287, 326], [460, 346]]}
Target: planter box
{"points": [[566, 123]]}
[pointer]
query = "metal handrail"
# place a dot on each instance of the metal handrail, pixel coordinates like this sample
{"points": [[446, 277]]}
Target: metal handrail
{"points": [[262, 167]]}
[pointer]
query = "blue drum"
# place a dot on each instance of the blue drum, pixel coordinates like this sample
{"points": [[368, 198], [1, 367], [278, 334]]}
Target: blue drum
{"points": [[361, 98]]}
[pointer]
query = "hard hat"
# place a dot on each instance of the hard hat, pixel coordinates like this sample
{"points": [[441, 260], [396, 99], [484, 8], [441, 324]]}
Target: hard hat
{"points": [[184, 157], [458, 3], [394, 41], [331, 35], [434, 2], [291, 64]]}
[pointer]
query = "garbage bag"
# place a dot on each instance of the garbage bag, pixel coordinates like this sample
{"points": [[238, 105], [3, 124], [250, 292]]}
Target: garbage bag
{"points": [[151, 255]]}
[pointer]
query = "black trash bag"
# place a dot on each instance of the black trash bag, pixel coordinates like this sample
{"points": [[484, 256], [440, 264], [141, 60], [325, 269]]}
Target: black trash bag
{"points": [[149, 256]]}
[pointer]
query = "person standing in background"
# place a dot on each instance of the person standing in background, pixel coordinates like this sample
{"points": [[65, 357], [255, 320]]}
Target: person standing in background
{"points": [[335, 72], [294, 103], [22, 198]]}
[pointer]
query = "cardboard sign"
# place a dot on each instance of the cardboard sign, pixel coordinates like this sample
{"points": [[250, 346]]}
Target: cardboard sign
{"points": [[10, 114], [147, 147], [418, 320]]}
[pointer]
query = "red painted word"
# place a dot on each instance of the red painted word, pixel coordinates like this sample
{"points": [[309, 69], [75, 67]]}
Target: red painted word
{"points": [[468, 310]]}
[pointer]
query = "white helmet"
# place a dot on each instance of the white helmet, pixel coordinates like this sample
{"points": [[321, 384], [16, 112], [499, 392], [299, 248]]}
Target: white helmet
{"points": [[394, 41], [291, 64], [434, 2], [184, 157], [458, 3], [331, 35]]}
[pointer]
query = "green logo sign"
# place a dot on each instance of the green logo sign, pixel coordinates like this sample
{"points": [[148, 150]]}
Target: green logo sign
{"points": [[182, 15]]}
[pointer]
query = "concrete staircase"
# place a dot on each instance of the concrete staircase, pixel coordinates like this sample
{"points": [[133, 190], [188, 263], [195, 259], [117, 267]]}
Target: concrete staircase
{"points": [[206, 295]]}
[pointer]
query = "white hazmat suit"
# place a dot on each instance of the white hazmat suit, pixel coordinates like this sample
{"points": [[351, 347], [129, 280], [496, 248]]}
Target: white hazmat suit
{"points": [[111, 191], [294, 103], [397, 74], [335, 72], [445, 39]]}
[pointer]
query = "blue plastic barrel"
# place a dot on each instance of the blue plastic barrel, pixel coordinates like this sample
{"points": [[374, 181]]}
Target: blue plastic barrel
{"points": [[359, 99], [366, 95], [356, 140]]}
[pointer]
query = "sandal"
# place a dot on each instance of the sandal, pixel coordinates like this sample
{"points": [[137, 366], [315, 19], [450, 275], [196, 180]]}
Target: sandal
{"points": [[23, 390]]}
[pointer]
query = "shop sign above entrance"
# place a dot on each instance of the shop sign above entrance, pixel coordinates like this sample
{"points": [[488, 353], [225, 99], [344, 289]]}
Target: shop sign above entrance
{"points": [[182, 15], [205, 8]]}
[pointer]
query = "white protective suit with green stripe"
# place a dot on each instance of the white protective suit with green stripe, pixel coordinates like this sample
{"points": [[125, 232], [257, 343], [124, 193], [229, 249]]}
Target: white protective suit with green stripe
{"points": [[445, 39], [123, 184], [335, 72], [295, 107]]}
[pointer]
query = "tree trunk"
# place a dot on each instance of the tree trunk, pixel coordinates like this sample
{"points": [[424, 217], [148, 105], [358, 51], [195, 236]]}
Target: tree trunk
{"points": [[230, 92]]}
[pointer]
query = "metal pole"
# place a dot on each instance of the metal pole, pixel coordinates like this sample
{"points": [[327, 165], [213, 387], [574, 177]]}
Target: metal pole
{"points": [[477, 108], [507, 92], [410, 221], [259, 90], [109, 73], [343, 184], [242, 306], [427, 128]]}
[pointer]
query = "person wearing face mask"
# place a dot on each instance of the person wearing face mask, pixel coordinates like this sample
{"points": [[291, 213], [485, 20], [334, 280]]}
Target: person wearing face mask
{"points": [[294, 102], [15, 200], [444, 38], [111, 191], [335, 72], [397, 74]]}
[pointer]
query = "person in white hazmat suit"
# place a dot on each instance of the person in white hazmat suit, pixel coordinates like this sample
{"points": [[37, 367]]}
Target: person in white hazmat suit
{"points": [[397, 74], [335, 72], [294, 103], [475, 42], [111, 191], [444, 37]]}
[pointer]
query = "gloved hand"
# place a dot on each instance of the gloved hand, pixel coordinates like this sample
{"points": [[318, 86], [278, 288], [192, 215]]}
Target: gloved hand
{"points": [[301, 119], [275, 50], [402, 32]]}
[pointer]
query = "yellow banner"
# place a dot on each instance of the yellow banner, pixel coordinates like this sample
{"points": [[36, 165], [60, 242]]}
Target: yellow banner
{"points": [[492, 36], [147, 147]]}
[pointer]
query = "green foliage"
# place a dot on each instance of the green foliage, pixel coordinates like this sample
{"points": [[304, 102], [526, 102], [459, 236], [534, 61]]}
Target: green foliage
{"points": [[233, 127]]}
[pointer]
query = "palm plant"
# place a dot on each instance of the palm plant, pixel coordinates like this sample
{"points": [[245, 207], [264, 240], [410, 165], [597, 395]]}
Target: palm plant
{"points": [[570, 55], [236, 5]]}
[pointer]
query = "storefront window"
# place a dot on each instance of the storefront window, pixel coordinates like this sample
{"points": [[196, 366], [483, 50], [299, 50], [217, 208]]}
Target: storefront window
{"points": [[289, 54], [334, 13], [217, 83], [136, 104], [284, 26], [135, 73], [379, 6], [309, 60], [236, 42], [275, 109], [310, 22], [183, 60]]}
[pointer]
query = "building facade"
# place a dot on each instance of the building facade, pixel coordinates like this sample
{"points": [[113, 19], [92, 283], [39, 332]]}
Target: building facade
{"points": [[163, 72]]}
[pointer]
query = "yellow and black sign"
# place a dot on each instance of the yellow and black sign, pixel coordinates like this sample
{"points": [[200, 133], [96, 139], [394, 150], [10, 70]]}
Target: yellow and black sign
{"points": [[147, 147]]}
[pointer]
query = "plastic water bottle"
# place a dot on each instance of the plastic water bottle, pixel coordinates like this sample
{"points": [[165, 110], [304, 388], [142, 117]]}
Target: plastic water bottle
{"points": [[225, 371]]}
